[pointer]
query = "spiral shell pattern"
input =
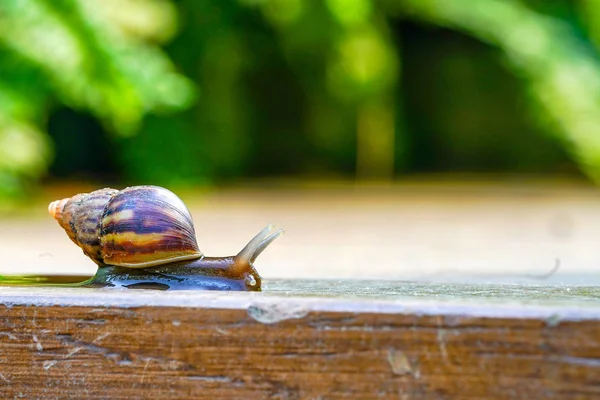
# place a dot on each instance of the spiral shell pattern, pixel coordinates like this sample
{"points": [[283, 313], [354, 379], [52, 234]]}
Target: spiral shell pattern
{"points": [[136, 227], [80, 217]]}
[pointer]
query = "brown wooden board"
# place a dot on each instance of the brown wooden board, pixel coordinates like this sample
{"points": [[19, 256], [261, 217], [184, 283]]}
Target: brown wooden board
{"points": [[338, 340]]}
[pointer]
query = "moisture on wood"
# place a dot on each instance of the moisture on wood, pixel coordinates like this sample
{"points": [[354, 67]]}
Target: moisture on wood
{"points": [[119, 344]]}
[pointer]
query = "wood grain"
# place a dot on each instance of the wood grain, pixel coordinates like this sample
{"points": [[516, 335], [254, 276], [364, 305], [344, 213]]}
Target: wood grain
{"points": [[76, 343]]}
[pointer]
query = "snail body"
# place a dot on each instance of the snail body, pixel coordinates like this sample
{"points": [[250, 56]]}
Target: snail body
{"points": [[149, 229]]}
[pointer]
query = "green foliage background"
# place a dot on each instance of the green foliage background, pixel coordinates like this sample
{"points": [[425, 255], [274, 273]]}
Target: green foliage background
{"points": [[205, 91]]}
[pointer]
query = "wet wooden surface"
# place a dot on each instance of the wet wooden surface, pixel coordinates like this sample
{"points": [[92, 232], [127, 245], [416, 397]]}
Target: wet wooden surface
{"points": [[304, 340]]}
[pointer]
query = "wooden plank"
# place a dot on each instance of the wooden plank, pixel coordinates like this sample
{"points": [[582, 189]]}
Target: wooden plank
{"points": [[302, 340]]}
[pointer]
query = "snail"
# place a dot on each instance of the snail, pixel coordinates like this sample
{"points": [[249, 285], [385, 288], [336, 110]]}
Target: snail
{"points": [[144, 237]]}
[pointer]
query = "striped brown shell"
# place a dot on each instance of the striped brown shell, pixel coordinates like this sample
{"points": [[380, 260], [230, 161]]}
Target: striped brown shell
{"points": [[137, 227]]}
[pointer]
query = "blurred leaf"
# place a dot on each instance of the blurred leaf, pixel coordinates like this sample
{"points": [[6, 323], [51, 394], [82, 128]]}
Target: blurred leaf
{"points": [[91, 65], [24, 150], [350, 12], [365, 65], [154, 20], [562, 74], [89, 55]]}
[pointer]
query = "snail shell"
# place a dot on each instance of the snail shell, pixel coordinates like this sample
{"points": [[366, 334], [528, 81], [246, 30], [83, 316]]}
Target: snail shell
{"points": [[137, 227]]}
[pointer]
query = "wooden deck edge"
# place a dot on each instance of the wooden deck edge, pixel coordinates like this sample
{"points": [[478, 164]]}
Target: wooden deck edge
{"points": [[86, 343], [484, 307]]}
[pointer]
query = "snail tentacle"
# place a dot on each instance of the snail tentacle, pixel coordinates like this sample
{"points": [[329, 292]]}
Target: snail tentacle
{"points": [[257, 245]]}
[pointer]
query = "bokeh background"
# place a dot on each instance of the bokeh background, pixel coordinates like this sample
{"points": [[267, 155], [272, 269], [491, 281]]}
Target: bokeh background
{"points": [[391, 138]]}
